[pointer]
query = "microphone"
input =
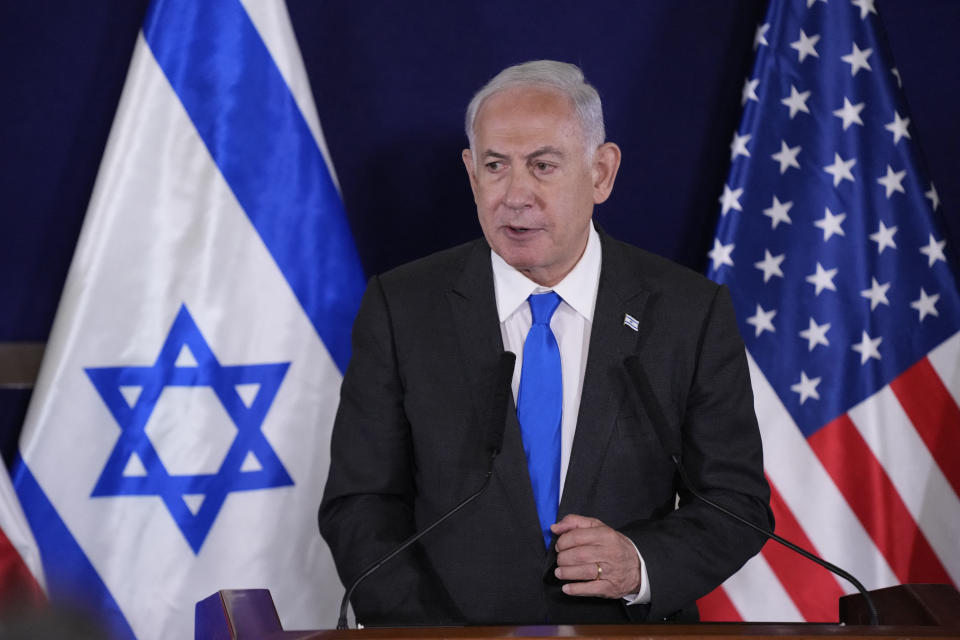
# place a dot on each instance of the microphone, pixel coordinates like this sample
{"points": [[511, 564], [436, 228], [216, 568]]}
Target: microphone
{"points": [[500, 404], [645, 401]]}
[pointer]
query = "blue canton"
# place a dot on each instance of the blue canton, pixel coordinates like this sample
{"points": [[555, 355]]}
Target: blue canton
{"points": [[829, 236], [132, 419]]}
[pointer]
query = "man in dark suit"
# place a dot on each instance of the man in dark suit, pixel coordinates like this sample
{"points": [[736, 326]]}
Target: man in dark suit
{"points": [[584, 520]]}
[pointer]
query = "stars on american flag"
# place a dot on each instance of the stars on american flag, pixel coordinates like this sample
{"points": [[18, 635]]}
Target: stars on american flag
{"points": [[933, 197], [866, 7], [720, 254], [770, 265], [898, 127], [893, 181], [739, 146], [787, 156], [796, 101], [762, 320], [896, 74], [806, 46], [816, 334], [876, 294], [760, 37], [840, 169], [807, 387], [850, 113], [857, 59], [812, 158], [831, 224], [868, 348], [884, 237], [749, 91], [934, 251], [778, 212], [823, 279], [926, 305], [730, 199]]}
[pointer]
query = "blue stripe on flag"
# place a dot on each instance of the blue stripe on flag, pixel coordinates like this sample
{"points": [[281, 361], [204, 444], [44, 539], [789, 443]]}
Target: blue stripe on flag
{"points": [[226, 79], [69, 575]]}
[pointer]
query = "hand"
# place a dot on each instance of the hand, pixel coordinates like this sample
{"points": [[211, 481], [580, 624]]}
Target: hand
{"points": [[586, 543]]}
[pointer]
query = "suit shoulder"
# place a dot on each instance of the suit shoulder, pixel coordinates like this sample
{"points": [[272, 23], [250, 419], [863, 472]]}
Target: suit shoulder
{"points": [[433, 271], [660, 275]]}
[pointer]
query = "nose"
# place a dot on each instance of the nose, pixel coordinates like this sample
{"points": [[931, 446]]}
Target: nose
{"points": [[519, 191]]}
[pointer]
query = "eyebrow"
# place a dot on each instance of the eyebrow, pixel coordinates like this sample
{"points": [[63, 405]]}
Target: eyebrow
{"points": [[542, 151]]}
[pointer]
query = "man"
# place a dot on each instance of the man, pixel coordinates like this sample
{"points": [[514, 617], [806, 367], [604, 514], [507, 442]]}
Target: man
{"points": [[581, 521]]}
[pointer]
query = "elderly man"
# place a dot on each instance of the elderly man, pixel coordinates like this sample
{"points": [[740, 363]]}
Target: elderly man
{"points": [[584, 520]]}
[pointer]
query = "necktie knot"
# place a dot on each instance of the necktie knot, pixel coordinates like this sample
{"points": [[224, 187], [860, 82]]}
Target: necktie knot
{"points": [[542, 306]]}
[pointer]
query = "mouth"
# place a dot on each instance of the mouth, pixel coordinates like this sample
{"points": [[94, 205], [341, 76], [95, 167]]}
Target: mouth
{"points": [[519, 232]]}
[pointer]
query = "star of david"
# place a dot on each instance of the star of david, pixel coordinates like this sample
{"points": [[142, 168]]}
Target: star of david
{"points": [[132, 417]]}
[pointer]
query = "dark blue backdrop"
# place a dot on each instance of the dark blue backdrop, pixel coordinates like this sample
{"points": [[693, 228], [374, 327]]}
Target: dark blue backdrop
{"points": [[391, 80]]}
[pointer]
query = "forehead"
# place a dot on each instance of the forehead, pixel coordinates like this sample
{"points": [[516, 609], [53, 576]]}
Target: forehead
{"points": [[527, 116]]}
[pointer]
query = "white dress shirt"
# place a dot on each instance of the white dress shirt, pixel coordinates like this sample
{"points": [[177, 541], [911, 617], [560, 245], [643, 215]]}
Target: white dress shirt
{"points": [[571, 324]]}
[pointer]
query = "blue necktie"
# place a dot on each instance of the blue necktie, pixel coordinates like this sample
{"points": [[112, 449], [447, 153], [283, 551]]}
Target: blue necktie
{"points": [[539, 407]]}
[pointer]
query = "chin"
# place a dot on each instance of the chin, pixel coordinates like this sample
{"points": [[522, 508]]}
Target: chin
{"points": [[519, 259]]}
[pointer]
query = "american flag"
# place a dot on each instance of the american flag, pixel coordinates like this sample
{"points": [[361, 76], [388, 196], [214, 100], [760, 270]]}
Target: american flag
{"points": [[829, 239]]}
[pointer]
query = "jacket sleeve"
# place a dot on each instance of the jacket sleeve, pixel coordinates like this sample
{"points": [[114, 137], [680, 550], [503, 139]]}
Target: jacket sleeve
{"points": [[694, 548], [367, 507]]}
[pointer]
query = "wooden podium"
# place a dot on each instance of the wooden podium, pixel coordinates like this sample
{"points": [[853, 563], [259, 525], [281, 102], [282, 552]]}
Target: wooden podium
{"points": [[906, 611]]}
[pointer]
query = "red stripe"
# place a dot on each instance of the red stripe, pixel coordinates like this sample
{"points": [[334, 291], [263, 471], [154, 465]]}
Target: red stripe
{"points": [[934, 414], [868, 489], [716, 606], [17, 585], [812, 588]]}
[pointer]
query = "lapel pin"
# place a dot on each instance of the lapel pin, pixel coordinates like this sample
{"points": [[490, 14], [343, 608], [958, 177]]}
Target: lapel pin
{"points": [[631, 322]]}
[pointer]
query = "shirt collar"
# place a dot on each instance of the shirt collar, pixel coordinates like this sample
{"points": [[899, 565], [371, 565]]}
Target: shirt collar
{"points": [[578, 289]]}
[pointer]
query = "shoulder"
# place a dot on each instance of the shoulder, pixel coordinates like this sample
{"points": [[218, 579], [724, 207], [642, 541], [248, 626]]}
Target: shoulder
{"points": [[437, 271], [659, 277]]}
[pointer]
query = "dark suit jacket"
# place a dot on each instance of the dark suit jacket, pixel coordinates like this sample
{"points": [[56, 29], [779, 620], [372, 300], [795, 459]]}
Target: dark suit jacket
{"points": [[410, 434]]}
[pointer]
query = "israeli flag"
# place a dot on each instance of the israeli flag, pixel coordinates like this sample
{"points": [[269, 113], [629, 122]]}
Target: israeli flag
{"points": [[177, 441]]}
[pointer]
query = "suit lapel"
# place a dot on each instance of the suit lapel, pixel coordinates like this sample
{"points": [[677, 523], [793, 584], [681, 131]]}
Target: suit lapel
{"points": [[611, 340], [474, 311]]}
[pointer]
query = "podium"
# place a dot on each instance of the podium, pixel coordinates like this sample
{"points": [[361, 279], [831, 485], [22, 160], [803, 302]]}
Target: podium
{"points": [[906, 611]]}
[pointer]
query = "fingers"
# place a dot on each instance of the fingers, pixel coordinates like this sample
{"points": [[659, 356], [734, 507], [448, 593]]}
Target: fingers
{"points": [[610, 581], [599, 534], [581, 572], [596, 560], [573, 521], [596, 588]]}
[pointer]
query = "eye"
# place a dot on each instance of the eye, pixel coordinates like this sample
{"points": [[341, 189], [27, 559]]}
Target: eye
{"points": [[543, 167], [494, 166]]}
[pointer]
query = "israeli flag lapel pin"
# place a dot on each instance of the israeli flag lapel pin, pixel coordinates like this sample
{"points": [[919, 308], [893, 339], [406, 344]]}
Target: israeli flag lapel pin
{"points": [[631, 322]]}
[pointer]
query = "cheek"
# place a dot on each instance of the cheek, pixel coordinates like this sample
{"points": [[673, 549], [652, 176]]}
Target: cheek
{"points": [[487, 197]]}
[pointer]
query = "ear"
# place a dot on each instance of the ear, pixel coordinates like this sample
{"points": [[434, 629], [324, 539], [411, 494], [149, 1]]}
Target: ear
{"points": [[606, 163], [467, 157]]}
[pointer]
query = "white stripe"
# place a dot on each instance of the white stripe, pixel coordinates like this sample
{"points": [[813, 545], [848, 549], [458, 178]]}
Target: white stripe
{"points": [[810, 494], [921, 484], [758, 595], [946, 362]]}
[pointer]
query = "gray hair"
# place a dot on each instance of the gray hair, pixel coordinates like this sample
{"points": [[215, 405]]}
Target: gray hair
{"points": [[566, 78]]}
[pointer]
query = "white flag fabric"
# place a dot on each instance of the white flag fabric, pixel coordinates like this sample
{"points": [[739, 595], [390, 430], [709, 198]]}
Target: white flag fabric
{"points": [[177, 441]]}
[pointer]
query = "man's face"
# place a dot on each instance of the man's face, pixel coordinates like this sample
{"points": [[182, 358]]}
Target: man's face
{"points": [[534, 182]]}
